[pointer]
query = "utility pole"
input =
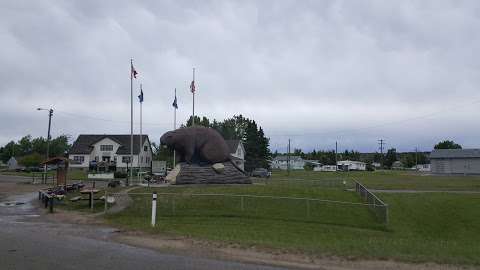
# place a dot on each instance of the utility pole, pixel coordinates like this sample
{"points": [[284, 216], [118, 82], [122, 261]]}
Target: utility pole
{"points": [[381, 142], [416, 158], [288, 158], [336, 151], [50, 114]]}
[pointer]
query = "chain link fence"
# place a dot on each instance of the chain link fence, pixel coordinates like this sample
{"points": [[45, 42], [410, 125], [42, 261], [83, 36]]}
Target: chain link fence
{"points": [[379, 208], [329, 183], [257, 207]]}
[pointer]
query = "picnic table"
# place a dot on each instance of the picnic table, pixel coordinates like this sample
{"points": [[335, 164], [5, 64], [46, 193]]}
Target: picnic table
{"points": [[90, 193]]}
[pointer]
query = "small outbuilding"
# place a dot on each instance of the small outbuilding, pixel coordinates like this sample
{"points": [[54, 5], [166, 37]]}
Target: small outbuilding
{"points": [[61, 164], [350, 165], [455, 161], [12, 164]]}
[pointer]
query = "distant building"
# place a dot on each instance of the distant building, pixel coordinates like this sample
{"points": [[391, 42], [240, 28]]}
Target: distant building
{"points": [[397, 165], [111, 151], [325, 168], [237, 152], [281, 162], [455, 161], [350, 165], [376, 165], [12, 164], [422, 167]]}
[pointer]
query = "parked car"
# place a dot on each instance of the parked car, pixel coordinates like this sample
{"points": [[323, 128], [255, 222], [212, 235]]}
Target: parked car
{"points": [[261, 172]]}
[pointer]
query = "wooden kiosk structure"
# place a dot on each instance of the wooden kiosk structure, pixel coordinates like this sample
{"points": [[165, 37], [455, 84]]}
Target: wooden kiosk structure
{"points": [[62, 169]]}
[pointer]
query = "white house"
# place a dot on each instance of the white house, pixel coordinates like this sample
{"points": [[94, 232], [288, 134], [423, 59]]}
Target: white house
{"points": [[350, 165], [111, 149], [325, 168], [281, 162], [237, 152], [422, 167]]}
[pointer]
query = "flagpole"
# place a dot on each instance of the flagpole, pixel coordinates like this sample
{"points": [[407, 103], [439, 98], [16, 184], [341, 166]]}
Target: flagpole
{"points": [[193, 92], [141, 146], [174, 124], [131, 121]]}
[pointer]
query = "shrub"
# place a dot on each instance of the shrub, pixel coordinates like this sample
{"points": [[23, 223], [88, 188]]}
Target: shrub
{"points": [[120, 175]]}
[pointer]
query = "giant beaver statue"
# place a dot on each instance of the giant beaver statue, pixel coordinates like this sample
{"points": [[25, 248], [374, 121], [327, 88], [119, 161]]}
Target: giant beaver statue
{"points": [[197, 145]]}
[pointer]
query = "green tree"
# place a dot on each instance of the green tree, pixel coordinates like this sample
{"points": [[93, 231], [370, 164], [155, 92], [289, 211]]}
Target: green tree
{"points": [[447, 145], [390, 157], [198, 121], [31, 160], [26, 146]]}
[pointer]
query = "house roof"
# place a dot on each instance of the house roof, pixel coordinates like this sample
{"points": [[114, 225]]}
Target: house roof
{"points": [[341, 162], [455, 153], [232, 145], [84, 143]]}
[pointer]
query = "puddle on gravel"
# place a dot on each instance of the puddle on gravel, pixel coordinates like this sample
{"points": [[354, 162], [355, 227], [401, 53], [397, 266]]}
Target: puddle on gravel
{"points": [[11, 203]]}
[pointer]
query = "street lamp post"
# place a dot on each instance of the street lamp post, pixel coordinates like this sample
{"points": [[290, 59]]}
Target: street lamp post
{"points": [[50, 114]]}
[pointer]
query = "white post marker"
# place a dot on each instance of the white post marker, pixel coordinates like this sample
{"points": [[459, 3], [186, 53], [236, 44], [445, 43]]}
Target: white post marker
{"points": [[154, 208]]}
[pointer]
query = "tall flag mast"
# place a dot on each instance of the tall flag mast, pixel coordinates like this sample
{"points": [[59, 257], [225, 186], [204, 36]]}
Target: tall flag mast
{"points": [[192, 89], [133, 74], [175, 107], [140, 99]]}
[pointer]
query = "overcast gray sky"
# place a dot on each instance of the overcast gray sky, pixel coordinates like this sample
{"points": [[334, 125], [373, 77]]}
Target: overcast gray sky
{"points": [[313, 71]]}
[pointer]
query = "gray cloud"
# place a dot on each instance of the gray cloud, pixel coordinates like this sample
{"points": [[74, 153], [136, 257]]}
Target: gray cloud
{"points": [[315, 71]]}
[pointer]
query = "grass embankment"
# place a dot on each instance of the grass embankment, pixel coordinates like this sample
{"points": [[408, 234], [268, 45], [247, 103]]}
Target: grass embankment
{"points": [[404, 180]]}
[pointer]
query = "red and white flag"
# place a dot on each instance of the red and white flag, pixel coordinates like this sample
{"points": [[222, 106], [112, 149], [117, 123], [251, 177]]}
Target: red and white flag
{"points": [[192, 87], [133, 72]]}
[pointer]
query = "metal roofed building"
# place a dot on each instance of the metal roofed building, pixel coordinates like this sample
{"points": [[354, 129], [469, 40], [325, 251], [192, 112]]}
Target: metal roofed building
{"points": [[455, 161]]}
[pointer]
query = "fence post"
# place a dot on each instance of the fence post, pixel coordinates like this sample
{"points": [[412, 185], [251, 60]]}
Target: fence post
{"points": [[50, 200], [105, 201], [154, 208]]}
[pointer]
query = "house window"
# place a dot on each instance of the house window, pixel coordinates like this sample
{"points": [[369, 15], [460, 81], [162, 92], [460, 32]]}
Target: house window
{"points": [[80, 159], [145, 148], [126, 159], [106, 147]]}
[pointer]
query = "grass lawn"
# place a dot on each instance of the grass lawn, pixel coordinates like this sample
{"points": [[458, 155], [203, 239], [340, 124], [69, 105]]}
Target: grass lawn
{"points": [[389, 179], [438, 227], [72, 175], [26, 174]]}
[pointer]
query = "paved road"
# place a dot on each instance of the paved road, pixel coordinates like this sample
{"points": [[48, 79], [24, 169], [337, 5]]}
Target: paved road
{"points": [[29, 242]]}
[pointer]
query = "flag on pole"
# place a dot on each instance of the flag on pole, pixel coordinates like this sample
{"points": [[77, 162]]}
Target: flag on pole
{"points": [[133, 72], [140, 97], [174, 104], [192, 87]]}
